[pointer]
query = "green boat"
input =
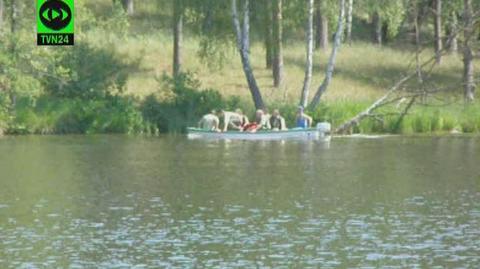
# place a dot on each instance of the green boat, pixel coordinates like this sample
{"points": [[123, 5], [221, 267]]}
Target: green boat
{"points": [[321, 132]]}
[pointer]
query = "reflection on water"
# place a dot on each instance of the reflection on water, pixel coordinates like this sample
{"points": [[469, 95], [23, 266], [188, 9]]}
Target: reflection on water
{"points": [[123, 202]]}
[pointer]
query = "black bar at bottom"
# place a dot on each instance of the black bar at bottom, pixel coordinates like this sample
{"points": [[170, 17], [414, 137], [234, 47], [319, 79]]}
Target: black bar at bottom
{"points": [[55, 40]]}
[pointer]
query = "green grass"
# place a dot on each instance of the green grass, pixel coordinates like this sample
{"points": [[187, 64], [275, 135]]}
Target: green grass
{"points": [[49, 115], [421, 119], [363, 70]]}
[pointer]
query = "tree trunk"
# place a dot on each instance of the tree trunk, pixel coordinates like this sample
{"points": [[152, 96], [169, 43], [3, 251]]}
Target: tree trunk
{"points": [[242, 36], [14, 16], [268, 34], [277, 44], [348, 38], [468, 73], [128, 6], [418, 48], [309, 62], [417, 60], [422, 13], [177, 36], [452, 33], [377, 25], [331, 63], [2, 7], [438, 30], [321, 23]]}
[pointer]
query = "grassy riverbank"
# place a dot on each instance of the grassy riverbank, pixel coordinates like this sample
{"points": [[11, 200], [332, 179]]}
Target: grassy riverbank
{"points": [[151, 116]]}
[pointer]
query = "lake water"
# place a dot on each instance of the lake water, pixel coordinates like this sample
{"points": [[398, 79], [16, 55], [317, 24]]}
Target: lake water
{"points": [[133, 202]]}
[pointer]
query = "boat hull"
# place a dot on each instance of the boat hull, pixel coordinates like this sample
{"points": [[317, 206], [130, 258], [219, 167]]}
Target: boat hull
{"points": [[299, 134]]}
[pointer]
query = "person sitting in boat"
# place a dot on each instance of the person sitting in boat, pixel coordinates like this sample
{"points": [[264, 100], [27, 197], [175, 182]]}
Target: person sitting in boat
{"points": [[245, 120], [262, 122], [277, 122], [303, 120], [231, 120], [210, 122]]}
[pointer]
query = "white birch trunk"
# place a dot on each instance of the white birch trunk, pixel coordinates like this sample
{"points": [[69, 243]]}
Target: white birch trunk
{"points": [[331, 63], [242, 35], [349, 22], [309, 63], [468, 70]]}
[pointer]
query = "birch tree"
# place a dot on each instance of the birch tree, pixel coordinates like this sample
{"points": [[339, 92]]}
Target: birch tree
{"points": [[277, 44], [128, 6], [468, 68], [309, 63], [348, 38], [243, 46], [331, 63]]}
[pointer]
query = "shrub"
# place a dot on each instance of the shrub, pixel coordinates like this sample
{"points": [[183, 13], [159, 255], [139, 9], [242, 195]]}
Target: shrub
{"points": [[181, 103], [88, 72], [49, 115]]}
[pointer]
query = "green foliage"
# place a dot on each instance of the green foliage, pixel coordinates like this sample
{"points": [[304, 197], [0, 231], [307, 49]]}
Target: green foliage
{"points": [[17, 58], [392, 13], [214, 52], [422, 119], [100, 28], [470, 119], [338, 112], [87, 72], [73, 115], [4, 111], [182, 103]]}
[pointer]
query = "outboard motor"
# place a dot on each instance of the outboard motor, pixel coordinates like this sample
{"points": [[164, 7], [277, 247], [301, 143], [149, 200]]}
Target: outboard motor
{"points": [[324, 128]]}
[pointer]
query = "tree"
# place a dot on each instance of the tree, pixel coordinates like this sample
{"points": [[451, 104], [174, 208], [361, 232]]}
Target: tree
{"points": [[14, 15], [1, 14], [452, 32], [377, 28], [437, 12], [331, 62], [309, 63], [268, 33], [348, 38], [277, 44], [468, 69], [321, 23], [387, 18], [451, 12], [177, 36], [128, 6], [243, 46]]}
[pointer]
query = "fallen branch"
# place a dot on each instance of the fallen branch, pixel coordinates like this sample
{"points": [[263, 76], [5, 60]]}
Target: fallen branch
{"points": [[344, 128], [405, 111], [384, 100]]}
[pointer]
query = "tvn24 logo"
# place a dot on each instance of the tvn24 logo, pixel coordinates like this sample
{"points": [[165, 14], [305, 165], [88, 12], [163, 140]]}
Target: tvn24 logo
{"points": [[55, 23]]}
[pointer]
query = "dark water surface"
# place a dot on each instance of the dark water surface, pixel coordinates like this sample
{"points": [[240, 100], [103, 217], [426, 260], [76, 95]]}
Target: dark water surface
{"points": [[130, 202]]}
